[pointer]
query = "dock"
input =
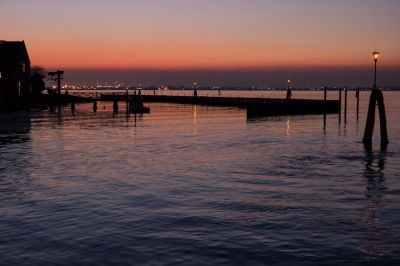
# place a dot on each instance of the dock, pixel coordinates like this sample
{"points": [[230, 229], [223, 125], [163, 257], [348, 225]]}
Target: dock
{"points": [[256, 107]]}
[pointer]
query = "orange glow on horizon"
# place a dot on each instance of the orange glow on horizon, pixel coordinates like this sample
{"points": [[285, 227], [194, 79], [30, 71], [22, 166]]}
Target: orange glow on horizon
{"points": [[119, 58], [207, 34], [169, 55]]}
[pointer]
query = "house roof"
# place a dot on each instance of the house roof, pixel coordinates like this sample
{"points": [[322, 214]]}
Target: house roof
{"points": [[13, 52]]}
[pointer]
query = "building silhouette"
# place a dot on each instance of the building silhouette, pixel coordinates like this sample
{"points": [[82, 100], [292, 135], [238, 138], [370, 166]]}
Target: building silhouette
{"points": [[14, 71]]}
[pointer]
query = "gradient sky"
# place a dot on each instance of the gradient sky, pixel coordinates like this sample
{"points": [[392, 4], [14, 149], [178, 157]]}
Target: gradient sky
{"points": [[212, 42]]}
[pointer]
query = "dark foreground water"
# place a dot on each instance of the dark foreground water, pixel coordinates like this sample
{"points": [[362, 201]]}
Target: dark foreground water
{"points": [[191, 185]]}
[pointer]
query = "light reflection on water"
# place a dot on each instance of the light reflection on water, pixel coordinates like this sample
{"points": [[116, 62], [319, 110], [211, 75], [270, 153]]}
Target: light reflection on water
{"points": [[196, 185]]}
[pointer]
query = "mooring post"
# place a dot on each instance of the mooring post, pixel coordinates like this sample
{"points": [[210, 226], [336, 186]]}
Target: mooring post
{"points": [[115, 106], [58, 83], [340, 104], [325, 106], [382, 120], [376, 97], [369, 126], [345, 105], [358, 100]]}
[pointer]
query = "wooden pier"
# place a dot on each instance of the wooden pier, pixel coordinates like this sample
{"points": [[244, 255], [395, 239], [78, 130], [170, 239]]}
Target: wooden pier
{"points": [[256, 107]]}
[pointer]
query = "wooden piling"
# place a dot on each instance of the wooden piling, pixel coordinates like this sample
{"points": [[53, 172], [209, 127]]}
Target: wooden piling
{"points": [[340, 100], [358, 100], [376, 97], [345, 105], [382, 120], [115, 106], [325, 106]]}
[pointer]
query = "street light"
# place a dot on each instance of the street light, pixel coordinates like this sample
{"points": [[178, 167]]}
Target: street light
{"points": [[288, 91], [376, 55]]}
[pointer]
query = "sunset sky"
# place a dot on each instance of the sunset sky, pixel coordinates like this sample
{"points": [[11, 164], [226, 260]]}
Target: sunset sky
{"points": [[212, 42]]}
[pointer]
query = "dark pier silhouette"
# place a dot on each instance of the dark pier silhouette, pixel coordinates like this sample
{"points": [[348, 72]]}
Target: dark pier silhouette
{"points": [[256, 107]]}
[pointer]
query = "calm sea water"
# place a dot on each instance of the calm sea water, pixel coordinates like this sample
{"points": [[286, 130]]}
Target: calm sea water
{"points": [[196, 185]]}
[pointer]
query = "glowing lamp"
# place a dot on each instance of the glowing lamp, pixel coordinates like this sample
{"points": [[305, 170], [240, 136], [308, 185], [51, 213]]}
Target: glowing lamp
{"points": [[376, 55]]}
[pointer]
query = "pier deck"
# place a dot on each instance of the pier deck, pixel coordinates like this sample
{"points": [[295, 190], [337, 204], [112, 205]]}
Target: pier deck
{"points": [[255, 106]]}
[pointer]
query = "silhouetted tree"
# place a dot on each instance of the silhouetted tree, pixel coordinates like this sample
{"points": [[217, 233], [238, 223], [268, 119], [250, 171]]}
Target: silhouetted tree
{"points": [[37, 79]]}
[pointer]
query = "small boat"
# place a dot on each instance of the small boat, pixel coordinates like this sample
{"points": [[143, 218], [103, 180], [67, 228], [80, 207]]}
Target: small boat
{"points": [[136, 105]]}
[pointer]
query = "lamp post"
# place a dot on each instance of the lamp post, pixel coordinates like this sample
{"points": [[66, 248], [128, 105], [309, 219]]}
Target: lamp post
{"points": [[288, 91], [376, 55], [376, 99]]}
